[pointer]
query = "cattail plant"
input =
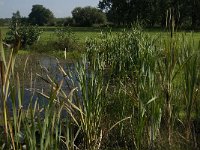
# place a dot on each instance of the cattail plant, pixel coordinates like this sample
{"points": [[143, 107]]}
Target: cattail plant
{"points": [[6, 73]]}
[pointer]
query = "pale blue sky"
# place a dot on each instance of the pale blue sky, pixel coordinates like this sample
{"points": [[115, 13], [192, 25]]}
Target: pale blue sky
{"points": [[60, 8]]}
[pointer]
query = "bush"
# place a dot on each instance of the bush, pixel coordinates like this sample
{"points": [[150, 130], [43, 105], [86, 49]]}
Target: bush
{"points": [[27, 34], [65, 39]]}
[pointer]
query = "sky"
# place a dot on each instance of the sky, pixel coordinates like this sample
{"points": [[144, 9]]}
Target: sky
{"points": [[60, 8]]}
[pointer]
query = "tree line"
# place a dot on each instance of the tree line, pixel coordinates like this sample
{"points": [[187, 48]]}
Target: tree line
{"points": [[149, 13], [152, 12], [39, 15]]}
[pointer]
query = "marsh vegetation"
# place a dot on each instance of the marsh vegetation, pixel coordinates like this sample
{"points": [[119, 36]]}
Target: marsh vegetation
{"points": [[98, 80], [128, 90]]}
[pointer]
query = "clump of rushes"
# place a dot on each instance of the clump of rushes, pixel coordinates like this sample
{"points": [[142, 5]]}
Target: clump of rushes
{"points": [[6, 73], [148, 71], [190, 84], [130, 57], [88, 99]]}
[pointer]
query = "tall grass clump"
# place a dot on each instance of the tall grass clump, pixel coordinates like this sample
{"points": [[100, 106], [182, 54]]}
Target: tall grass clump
{"points": [[130, 58], [89, 99], [120, 51], [147, 76], [6, 73], [191, 88]]}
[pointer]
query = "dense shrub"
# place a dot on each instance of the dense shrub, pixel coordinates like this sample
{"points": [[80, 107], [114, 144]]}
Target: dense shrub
{"points": [[28, 34]]}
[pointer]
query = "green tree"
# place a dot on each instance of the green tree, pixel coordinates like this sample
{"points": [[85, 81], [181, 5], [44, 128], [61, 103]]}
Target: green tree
{"points": [[69, 21], [40, 15], [151, 12], [16, 17], [117, 10], [88, 16]]}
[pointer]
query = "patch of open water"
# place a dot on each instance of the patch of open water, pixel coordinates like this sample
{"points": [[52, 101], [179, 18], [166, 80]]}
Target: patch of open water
{"points": [[29, 70]]}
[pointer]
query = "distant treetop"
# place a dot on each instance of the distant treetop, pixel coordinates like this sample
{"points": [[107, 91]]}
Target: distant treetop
{"points": [[40, 15]]}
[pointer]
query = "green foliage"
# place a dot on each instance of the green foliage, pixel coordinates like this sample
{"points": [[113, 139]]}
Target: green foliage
{"points": [[88, 16], [69, 21], [120, 50], [60, 22], [90, 99], [64, 40], [152, 12], [28, 34], [40, 15], [147, 81]]}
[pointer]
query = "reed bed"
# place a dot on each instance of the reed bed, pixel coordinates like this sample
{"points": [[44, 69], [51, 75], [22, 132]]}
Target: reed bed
{"points": [[128, 91]]}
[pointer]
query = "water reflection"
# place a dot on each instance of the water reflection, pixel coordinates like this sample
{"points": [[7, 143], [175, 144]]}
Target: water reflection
{"points": [[34, 66]]}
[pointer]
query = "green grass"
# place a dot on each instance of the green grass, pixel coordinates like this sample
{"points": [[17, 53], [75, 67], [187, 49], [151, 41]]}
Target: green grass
{"points": [[80, 34], [83, 33]]}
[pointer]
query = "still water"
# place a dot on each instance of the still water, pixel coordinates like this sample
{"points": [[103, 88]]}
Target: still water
{"points": [[33, 71]]}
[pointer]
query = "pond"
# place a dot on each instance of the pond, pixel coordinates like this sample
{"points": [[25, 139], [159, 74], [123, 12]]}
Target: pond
{"points": [[33, 70]]}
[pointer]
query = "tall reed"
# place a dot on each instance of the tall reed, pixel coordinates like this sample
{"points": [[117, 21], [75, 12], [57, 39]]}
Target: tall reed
{"points": [[6, 73]]}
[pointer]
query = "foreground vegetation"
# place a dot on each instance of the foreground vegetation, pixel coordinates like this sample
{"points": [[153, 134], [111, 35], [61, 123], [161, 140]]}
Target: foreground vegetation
{"points": [[129, 90]]}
